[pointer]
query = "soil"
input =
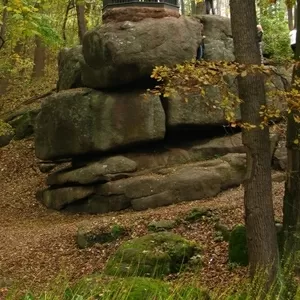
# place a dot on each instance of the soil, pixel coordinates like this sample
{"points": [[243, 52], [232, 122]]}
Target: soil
{"points": [[37, 245]]}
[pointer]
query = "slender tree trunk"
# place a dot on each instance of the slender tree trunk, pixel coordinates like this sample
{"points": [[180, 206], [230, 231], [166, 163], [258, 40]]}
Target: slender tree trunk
{"points": [[291, 204], [193, 7], [182, 6], [259, 213], [295, 15], [39, 58], [290, 17], [69, 7], [3, 81], [80, 10], [4, 19]]}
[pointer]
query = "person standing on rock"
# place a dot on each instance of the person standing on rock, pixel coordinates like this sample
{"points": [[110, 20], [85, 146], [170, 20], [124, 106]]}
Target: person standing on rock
{"points": [[201, 48], [260, 40], [293, 37], [209, 5]]}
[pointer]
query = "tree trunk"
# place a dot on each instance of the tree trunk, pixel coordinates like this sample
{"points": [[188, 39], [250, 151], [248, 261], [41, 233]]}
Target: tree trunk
{"points": [[295, 15], [291, 204], [182, 7], [259, 213], [4, 19], [80, 10], [39, 58], [3, 81], [290, 17], [193, 7], [69, 7]]}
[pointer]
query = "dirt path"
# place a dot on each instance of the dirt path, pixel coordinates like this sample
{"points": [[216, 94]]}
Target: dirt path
{"points": [[36, 244]]}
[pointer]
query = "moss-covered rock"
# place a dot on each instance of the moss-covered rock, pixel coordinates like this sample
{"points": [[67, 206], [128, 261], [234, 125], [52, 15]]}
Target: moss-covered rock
{"points": [[153, 255], [197, 214], [6, 133], [88, 236], [223, 231], [238, 251], [24, 124]]}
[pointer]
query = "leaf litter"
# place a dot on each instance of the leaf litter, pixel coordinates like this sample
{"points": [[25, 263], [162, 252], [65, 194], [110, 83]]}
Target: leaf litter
{"points": [[37, 244]]}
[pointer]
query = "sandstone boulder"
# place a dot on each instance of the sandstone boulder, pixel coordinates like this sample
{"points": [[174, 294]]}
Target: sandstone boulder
{"points": [[94, 172], [85, 121], [184, 183], [280, 157], [218, 41], [116, 54], [60, 197], [69, 68]]}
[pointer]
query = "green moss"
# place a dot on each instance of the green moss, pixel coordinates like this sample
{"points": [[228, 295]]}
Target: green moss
{"points": [[24, 124], [223, 230], [238, 251], [198, 214], [153, 255], [5, 128]]}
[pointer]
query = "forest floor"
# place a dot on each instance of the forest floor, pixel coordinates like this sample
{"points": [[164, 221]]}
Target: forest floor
{"points": [[37, 245]]}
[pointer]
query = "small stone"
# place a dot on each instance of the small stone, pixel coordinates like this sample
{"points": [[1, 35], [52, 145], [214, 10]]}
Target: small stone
{"points": [[161, 225]]}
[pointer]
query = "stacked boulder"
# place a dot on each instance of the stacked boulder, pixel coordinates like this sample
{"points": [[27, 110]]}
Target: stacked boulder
{"points": [[118, 138]]}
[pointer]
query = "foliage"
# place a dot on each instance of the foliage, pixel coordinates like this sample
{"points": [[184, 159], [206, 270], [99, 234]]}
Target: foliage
{"points": [[276, 42], [197, 77]]}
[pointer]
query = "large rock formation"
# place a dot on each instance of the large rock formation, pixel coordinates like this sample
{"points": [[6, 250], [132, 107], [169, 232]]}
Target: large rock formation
{"points": [[128, 150], [121, 53], [83, 121]]}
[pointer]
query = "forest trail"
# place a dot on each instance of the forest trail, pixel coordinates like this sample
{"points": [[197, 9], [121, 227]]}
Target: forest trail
{"points": [[37, 244]]}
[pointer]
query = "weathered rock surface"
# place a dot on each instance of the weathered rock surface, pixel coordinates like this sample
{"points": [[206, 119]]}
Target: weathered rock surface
{"points": [[84, 121], [69, 68], [152, 255], [95, 172], [98, 204], [24, 124], [280, 157], [121, 53], [184, 183], [218, 41], [59, 198], [165, 186]]}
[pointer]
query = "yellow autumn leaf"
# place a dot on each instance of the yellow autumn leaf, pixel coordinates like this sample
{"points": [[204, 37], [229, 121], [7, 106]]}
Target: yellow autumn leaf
{"points": [[296, 141], [244, 73]]}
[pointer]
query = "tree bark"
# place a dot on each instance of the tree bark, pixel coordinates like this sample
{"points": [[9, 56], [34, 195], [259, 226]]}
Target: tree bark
{"points": [[259, 213], [182, 7], [290, 17], [291, 204], [39, 58], [68, 8], [80, 10]]}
